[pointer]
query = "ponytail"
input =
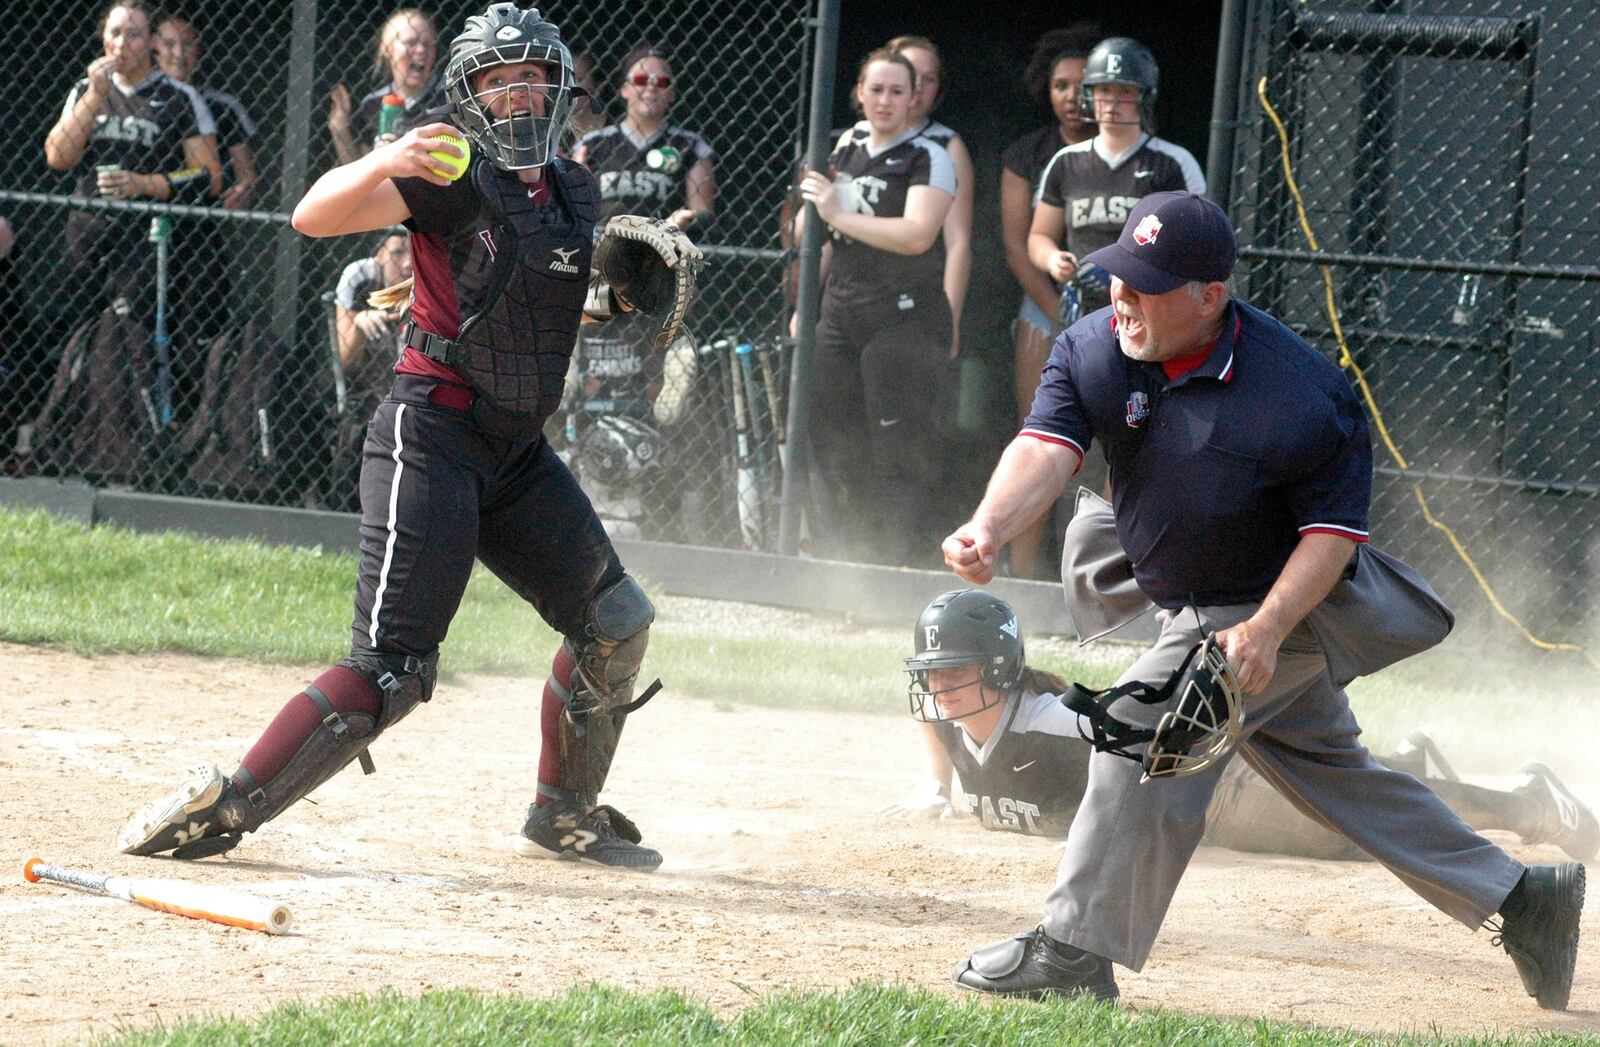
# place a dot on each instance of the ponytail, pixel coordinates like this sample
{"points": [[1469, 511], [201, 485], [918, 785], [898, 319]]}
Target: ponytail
{"points": [[1041, 682], [393, 297]]}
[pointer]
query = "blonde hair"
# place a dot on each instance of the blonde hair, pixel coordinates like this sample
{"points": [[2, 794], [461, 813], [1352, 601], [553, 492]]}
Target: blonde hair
{"points": [[393, 297], [387, 31]]}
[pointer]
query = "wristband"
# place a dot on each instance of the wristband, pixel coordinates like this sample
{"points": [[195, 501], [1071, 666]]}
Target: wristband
{"points": [[188, 183], [602, 303]]}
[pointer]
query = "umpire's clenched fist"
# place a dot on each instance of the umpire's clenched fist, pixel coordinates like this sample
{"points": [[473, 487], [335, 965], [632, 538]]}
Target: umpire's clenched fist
{"points": [[970, 552]]}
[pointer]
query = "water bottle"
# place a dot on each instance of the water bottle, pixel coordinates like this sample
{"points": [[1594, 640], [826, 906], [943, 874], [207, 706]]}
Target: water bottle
{"points": [[389, 114]]}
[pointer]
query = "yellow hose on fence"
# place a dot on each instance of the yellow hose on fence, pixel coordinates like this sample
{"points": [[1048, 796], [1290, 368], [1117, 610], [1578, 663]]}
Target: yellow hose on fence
{"points": [[1347, 361]]}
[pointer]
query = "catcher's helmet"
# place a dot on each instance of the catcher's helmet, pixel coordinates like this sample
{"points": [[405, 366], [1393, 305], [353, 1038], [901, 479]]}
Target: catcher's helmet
{"points": [[505, 34], [965, 627], [1200, 725], [1120, 60], [617, 451]]}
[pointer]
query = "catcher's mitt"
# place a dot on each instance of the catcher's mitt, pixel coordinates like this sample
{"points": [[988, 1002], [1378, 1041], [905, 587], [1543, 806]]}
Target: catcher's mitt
{"points": [[652, 266]]}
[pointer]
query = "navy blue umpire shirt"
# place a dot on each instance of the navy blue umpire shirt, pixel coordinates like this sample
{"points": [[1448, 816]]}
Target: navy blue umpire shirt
{"points": [[1217, 474]]}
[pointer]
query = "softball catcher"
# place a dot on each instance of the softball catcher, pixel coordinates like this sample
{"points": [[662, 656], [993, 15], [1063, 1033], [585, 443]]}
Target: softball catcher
{"points": [[455, 466]]}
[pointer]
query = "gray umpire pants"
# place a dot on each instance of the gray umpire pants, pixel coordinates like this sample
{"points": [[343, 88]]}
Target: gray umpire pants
{"points": [[1130, 843]]}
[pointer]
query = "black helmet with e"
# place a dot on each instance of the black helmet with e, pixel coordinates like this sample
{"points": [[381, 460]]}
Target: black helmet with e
{"points": [[965, 627], [1120, 60]]}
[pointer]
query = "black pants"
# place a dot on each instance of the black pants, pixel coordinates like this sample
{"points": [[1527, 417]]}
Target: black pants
{"points": [[881, 407], [437, 491]]}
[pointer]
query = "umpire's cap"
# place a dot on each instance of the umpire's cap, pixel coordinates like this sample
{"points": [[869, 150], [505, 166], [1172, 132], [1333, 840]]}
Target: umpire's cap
{"points": [[1169, 240]]}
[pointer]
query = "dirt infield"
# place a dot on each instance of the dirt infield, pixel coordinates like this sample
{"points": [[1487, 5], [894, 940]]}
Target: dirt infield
{"points": [[779, 873]]}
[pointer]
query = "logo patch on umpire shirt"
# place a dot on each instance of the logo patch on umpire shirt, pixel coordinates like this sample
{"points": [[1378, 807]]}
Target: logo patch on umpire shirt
{"points": [[1145, 233], [1138, 409]]}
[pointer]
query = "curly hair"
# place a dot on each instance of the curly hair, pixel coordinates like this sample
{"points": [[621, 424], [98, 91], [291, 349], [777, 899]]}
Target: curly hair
{"points": [[1073, 41]]}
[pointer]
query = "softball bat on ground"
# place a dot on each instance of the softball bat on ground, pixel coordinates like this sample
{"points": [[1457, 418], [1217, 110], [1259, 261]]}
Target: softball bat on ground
{"points": [[196, 901]]}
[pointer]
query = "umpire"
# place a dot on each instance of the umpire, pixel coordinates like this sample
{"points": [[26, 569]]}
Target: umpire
{"points": [[1241, 472]]}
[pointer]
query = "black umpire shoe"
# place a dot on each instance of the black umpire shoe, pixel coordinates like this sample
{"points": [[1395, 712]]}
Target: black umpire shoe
{"points": [[1543, 938], [1035, 965], [601, 835]]}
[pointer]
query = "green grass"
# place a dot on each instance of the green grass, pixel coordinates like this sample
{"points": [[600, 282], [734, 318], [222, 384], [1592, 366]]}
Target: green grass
{"points": [[860, 1016], [102, 590]]}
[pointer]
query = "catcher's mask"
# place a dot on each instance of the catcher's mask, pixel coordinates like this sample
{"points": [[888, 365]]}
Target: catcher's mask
{"points": [[965, 627], [503, 35], [1199, 728], [618, 451], [1120, 60]]}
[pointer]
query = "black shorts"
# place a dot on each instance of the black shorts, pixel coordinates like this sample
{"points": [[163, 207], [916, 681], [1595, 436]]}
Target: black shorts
{"points": [[437, 491]]}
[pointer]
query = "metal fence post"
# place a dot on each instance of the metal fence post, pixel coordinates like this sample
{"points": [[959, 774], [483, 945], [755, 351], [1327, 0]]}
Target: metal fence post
{"points": [[797, 477], [1225, 103], [296, 163]]}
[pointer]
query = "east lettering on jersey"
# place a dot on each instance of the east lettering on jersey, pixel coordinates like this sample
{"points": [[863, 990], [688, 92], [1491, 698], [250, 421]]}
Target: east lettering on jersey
{"points": [[1096, 191], [629, 183], [1028, 777]]}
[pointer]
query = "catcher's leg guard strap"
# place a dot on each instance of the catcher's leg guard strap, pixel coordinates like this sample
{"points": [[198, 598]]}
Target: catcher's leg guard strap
{"points": [[402, 682]]}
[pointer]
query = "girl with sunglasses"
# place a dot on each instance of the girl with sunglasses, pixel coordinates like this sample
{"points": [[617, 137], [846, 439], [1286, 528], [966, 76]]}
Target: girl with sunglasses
{"points": [[646, 165]]}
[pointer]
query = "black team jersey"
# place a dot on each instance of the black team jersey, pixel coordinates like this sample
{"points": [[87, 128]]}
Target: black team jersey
{"points": [[1029, 155], [1030, 775], [234, 126], [1096, 191], [629, 182], [140, 128], [877, 184]]}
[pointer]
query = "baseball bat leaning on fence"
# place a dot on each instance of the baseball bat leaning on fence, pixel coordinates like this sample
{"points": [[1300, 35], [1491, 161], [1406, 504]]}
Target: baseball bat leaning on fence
{"points": [[197, 901], [747, 498]]}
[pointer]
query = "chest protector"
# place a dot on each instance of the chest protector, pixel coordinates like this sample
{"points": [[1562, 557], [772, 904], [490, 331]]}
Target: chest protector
{"points": [[515, 348]]}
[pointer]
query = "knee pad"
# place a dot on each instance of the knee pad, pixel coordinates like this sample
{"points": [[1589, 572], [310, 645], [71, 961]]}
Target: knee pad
{"points": [[402, 682], [611, 650]]}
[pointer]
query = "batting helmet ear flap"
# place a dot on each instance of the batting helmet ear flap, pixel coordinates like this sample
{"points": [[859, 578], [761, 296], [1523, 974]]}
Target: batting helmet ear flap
{"points": [[1199, 729]]}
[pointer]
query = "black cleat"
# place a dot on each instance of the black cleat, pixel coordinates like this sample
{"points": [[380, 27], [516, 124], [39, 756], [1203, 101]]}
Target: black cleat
{"points": [[1035, 965], [602, 835], [1563, 820], [1543, 939]]}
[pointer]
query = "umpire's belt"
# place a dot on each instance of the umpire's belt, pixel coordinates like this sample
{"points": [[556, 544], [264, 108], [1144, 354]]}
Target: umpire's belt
{"points": [[430, 345]]}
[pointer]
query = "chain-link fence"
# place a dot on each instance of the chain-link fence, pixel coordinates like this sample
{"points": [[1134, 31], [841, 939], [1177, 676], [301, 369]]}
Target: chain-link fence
{"points": [[1443, 153], [193, 344]]}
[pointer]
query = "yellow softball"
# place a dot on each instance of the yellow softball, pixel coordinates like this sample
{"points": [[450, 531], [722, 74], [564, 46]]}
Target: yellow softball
{"points": [[452, 167]]}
